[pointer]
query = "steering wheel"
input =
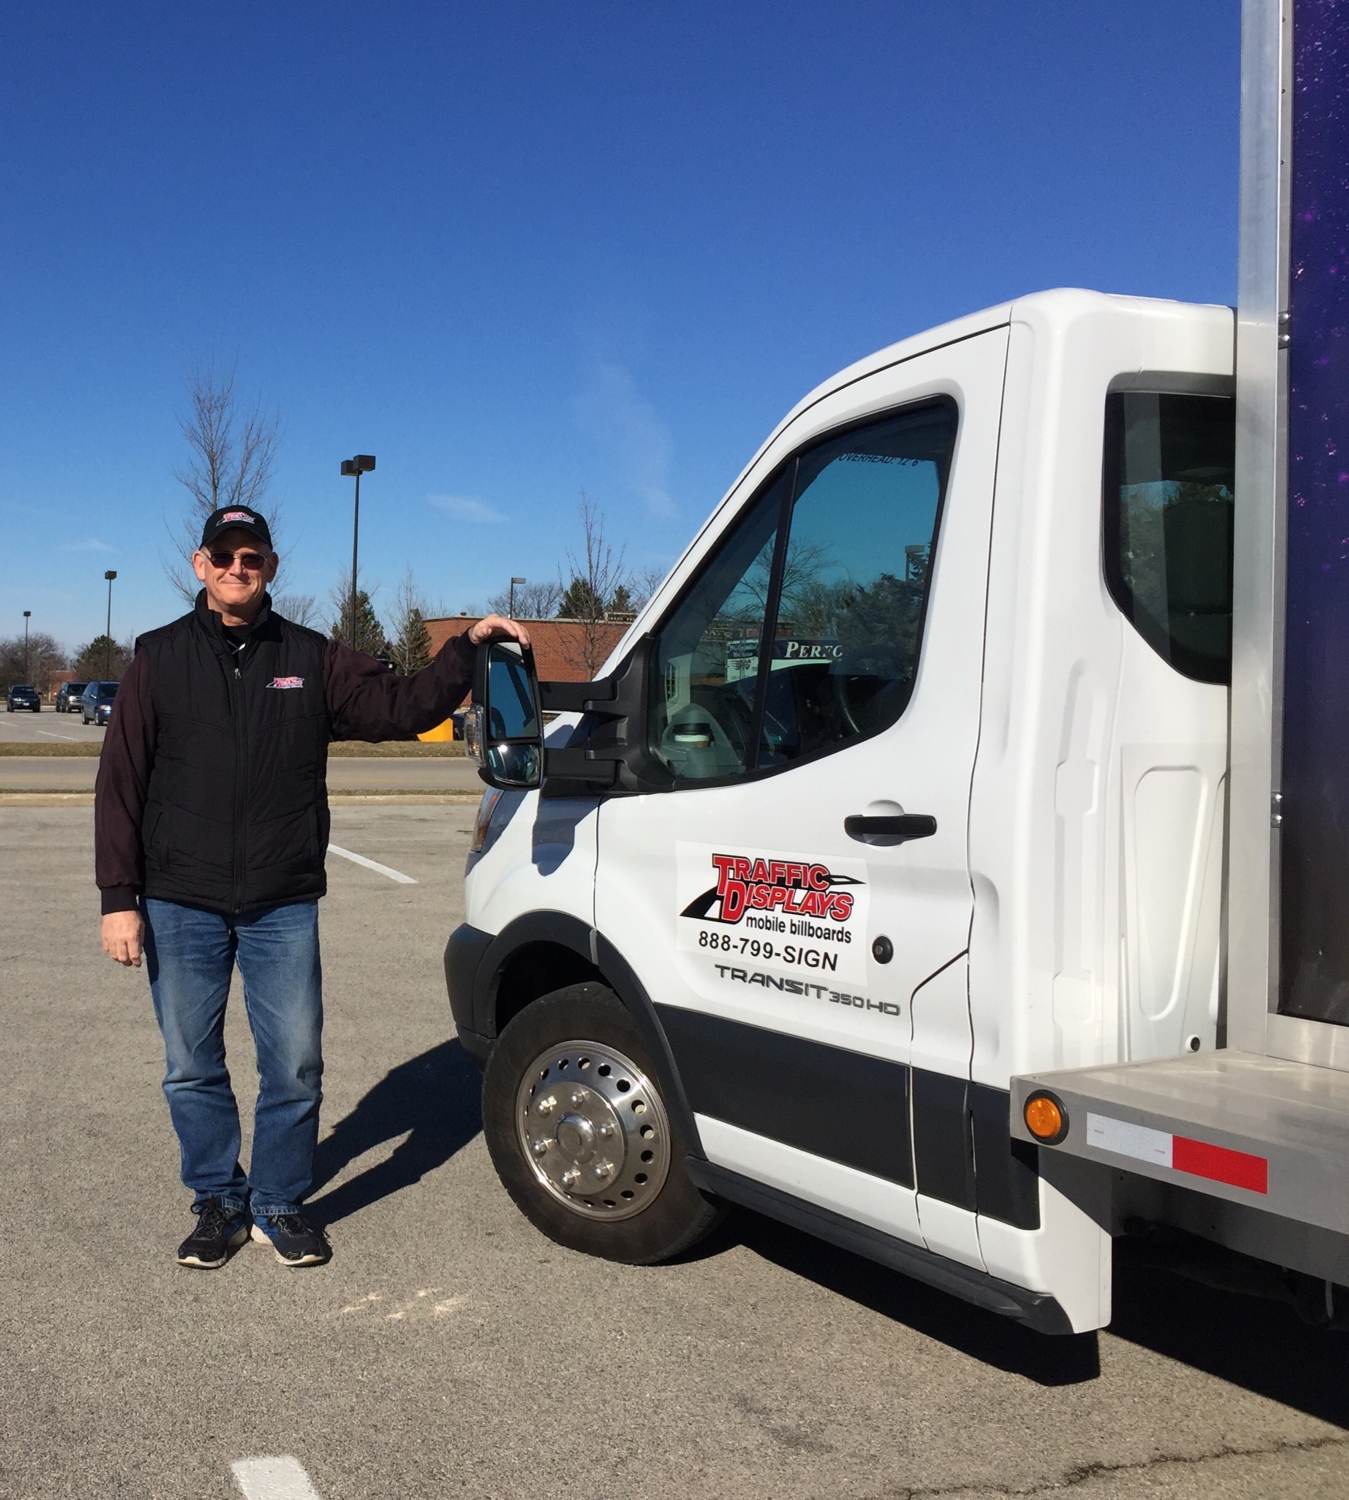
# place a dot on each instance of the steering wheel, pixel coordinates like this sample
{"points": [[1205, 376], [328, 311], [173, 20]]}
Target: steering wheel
{"points": [[861, 676]]}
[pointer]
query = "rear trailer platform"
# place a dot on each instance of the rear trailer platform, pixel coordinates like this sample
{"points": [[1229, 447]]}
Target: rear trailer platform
{"points": [[1249, 1151]]}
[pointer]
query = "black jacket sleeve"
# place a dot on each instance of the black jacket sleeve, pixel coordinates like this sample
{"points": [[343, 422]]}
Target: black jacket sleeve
{"points": [[120, 789], [366, 701]]}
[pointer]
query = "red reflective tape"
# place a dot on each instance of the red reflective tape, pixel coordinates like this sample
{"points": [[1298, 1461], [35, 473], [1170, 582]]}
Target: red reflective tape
{"points": [[1218, 1164]]}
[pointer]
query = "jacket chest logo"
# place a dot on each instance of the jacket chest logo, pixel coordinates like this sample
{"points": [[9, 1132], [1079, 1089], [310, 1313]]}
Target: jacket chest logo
{"points": [[286, 682]]}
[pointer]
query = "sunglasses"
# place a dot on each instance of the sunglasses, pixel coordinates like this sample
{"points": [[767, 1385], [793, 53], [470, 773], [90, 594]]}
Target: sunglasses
{"points": [[253, 561]]}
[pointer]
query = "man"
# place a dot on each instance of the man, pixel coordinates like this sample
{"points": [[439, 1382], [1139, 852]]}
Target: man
{"points": [[210, 829]]}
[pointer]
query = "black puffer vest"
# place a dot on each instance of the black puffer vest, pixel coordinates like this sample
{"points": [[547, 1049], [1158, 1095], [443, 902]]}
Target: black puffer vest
{"points": [[236, 815]]}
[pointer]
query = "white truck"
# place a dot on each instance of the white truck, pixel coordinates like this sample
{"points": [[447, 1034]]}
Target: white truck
{"points": [[953, 859]]}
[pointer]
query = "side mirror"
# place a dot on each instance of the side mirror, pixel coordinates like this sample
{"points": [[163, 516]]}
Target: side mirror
{"points": [[503, 731]]}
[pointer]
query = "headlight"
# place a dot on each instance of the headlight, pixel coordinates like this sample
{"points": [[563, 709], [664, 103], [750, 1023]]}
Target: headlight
{"points": [[473, 735], [483, 821]]}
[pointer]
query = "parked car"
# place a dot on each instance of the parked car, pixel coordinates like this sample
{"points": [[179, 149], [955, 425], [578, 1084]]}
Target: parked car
{"points": [[23, 696], [96, 702], [68, 696]]}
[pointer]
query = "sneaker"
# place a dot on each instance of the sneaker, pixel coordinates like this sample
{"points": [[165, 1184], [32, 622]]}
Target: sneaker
{"points": [[295, 1240], [218, 1234]]}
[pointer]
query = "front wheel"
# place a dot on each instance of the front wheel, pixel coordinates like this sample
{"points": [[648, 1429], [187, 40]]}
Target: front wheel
{"points": [[580, 1134]]}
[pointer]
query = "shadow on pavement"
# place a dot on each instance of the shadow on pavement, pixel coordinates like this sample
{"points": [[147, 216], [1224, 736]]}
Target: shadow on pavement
{"points": [[434, 1100], [1262, 1346], [983, 1336], [436, 1097], [1258, 1345]]}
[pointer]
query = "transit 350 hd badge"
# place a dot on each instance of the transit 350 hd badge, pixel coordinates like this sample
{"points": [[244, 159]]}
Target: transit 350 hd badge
{"points": [[754, 914]]}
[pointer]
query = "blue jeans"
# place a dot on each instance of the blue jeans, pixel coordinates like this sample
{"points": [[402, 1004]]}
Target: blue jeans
{"points": [[190, 955]]}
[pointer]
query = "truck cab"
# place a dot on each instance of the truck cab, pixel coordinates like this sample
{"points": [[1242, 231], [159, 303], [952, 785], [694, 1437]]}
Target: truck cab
{"points": [[907, 784]]}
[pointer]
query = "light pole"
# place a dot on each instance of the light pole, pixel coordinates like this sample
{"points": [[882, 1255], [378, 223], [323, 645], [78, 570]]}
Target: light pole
{"points": [[514, 581], [26, 614], [363, 463], [107, 635]]}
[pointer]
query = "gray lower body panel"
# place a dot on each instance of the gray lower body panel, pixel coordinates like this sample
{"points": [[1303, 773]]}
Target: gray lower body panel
{"points": [[1246, 1150]]}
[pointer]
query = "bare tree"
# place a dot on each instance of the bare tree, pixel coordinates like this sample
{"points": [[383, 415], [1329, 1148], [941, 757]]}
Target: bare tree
{"points": [[644, 583], [233, 454], [533, 601], [597, 573], [302, 609], [32, 662], [408, 635]]}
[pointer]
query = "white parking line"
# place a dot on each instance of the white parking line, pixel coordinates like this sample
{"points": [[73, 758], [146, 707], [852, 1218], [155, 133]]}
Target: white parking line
{"points": [[73, 738], [360, 859], [273, 1479]]}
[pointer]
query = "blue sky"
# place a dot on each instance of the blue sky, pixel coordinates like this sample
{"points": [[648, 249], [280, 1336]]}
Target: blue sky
{"points": [[523, 250]]}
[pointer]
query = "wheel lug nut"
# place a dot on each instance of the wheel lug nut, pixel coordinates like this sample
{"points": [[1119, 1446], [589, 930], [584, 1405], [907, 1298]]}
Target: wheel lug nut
{"points": [[606, 1131], [546, 1106], [570, 1177], [540, 1148]]}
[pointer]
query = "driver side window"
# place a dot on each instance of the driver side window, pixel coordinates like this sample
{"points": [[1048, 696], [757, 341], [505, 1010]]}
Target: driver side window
{"points": [[802, 633]]}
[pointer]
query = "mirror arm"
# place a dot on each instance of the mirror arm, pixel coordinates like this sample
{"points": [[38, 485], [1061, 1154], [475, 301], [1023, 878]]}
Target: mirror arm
{"points": [[607, 752], [577, 697]]}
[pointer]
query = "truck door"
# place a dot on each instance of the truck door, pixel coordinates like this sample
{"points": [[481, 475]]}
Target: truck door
{"points": [[817, 690]]}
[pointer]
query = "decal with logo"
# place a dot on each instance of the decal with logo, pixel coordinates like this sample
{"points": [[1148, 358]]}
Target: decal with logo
{"points": [[237, 515], [790, 912], [286, 682]]}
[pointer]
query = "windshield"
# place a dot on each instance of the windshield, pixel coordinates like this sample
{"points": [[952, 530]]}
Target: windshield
{"points": [[74, 688], [107, 691]]}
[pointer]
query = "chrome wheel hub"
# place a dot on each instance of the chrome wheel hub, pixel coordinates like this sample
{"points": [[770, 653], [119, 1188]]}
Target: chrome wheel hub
{"points": [[593, 1129]]}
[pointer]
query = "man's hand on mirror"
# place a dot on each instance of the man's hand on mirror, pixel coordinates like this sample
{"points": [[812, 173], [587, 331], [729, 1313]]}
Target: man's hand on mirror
{"points": [[498, 628]]}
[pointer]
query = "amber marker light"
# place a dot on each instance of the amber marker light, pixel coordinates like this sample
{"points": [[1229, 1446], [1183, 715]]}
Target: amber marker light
{"points": [[1045, 1119]]}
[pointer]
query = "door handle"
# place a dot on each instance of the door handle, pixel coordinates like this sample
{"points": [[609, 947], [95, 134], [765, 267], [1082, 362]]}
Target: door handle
{"points": [[890, 830]]}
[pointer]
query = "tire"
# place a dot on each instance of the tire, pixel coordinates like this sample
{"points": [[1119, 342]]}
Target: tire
{"points": [[615, 1124]]}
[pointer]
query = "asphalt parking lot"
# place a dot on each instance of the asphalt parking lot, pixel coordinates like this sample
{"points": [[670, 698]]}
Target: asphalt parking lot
{"points": [[450, 1350], [62, 776], [47, 727]]}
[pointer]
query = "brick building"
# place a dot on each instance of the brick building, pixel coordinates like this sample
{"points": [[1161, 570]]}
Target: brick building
{"points": [[560, 646]]}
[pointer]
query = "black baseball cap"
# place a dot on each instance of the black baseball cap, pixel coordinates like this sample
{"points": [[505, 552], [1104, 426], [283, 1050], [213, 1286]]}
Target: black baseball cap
{"points": [[235, 517]]}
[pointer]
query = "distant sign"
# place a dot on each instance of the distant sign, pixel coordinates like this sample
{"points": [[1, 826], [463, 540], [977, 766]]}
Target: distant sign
{"points": [[742, 657]]}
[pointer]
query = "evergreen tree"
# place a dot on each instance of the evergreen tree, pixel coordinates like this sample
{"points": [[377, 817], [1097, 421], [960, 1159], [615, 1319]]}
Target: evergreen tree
{"points": [[410, 641], [370, 635], [102, 660], [412, 650], [580, 602]]}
